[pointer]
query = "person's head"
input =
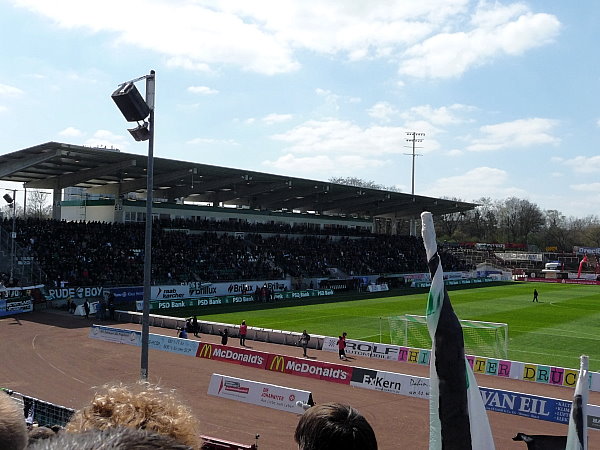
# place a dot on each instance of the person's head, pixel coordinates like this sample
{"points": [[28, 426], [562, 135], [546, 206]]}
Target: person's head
{"points": [[304, 331], [344, 334], [142, 406], [334, 426], [116, 438], [243, 322], [13, 430]]}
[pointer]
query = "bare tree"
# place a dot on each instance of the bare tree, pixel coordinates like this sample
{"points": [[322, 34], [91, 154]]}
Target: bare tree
{"points": [[359, 182], [38, 205]]}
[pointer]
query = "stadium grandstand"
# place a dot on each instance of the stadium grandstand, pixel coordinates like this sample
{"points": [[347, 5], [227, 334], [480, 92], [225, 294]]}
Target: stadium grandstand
{"points": [[258, 224]]}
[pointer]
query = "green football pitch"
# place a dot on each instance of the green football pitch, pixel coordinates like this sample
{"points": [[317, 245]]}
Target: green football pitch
{"points": [[556, 331]]}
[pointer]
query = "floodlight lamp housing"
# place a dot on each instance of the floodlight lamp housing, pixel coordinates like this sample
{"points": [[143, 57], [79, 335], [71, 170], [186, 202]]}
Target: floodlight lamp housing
{"points": [[7, 198], [141, 132], [130, 102]]}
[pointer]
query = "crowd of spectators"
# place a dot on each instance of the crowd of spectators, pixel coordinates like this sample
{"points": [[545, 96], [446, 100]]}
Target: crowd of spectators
{"points": [[146, 416], [94, 253]]}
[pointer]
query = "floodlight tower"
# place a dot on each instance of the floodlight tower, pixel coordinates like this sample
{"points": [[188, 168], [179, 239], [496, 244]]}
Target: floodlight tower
{"points": [[13, 235], [135, 109]]}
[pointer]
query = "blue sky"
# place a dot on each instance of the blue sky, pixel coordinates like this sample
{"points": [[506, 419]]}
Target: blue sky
{"points": [[506, 92]]}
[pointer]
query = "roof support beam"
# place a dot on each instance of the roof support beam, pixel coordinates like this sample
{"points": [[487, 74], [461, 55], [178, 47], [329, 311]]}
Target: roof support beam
{"points": [[17, 165], [81, 176]]}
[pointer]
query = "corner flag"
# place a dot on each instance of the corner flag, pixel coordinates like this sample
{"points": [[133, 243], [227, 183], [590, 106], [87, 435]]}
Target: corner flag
{"points": [[457, 416], [577, 437]]}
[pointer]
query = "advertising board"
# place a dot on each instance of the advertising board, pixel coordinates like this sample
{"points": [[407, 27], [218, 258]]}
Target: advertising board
{"points": [[262, 394]]}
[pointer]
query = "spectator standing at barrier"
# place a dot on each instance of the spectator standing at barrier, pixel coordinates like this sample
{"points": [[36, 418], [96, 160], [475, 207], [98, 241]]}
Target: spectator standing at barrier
{"points": [[101, 309], [13, 430], [86, 308], [224, 335], [243, 332], [195, 326], [111, 306], [304, 339], [334, 426], [182, 333], [341, 343]]}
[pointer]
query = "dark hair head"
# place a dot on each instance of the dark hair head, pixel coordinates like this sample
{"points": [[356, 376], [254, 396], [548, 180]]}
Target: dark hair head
{"points": [[334, 426]]}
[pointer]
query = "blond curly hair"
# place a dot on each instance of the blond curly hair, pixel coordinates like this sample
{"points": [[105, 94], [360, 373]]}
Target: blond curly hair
{"points": [[142, 406]]}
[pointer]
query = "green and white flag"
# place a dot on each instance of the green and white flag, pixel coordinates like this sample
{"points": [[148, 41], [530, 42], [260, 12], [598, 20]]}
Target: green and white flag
{"points": [[577, 437], [457, 416]]}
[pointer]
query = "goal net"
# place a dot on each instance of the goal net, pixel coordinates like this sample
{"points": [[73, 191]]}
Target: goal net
{"points": [[481, 338]]}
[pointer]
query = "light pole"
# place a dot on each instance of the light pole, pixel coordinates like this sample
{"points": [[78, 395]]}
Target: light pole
{"points": [[135, 109], [13, 235], [414, 138]]}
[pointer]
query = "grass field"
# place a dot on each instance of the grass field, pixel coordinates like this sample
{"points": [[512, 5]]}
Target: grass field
{"points": [[556, 331]]}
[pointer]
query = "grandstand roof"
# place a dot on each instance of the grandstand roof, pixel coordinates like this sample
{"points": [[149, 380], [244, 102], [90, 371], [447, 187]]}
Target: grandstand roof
{"points": [[55, 165]]}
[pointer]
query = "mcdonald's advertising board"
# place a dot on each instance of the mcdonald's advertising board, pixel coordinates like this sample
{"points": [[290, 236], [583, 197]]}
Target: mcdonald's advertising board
{"points": [[335, 373], [233, 355]]}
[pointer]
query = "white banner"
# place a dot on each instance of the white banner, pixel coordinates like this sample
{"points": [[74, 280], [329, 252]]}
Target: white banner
{"points": [[117, 335], [261, 394], [364, 348], [395, 383], [377, 287]]}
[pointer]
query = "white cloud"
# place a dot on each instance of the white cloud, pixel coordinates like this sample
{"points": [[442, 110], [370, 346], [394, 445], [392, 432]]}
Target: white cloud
{"points": [[498, 30], [210, 141], [589, 187], [474, 184], [332, 136], [442, 116], [584, 164], [274, 118], [70, 132], [203, 90], [323, 166], [520, 133], [105, 138], [10, 91], [382, 111], [264, 37]]}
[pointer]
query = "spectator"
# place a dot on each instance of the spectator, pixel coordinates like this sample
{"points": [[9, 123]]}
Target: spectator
{"points": [[140, 406], [334, 426], [243, 332], [304, 339], [224, 336], [114, 438], [13, 430], [195, 326]]}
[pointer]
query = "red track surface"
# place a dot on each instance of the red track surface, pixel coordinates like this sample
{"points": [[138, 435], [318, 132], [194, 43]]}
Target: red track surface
{"points": [[49, 356]]}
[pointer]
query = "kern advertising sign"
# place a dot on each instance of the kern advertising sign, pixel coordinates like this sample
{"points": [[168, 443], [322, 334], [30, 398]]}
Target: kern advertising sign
{"points": [[261, 394], [394, 383], [233, 355], [75, 292], [335, 373], [188, 347]]}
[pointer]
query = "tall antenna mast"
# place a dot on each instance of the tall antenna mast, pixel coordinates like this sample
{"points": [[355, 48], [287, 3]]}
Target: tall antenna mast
{"points": [[414, 138]]}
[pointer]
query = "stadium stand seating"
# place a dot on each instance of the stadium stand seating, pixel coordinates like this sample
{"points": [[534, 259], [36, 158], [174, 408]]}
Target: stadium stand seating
{"points": [[110, 254]]}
